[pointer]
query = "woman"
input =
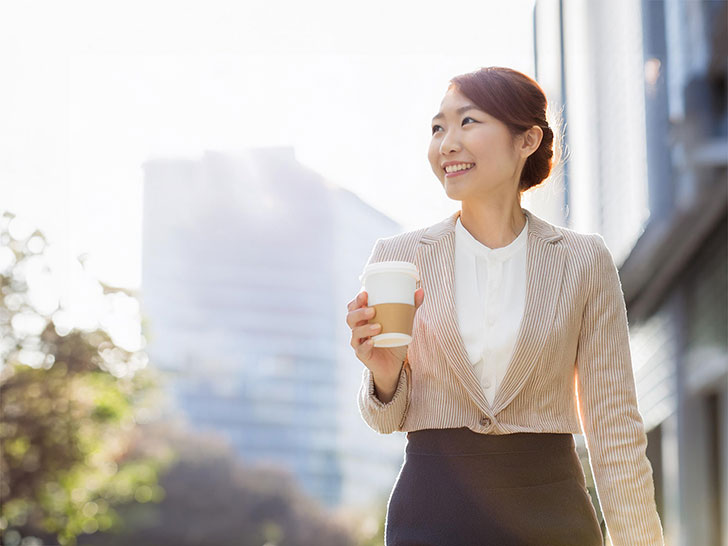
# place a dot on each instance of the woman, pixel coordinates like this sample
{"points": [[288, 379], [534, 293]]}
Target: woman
{"points": [[520, 340]]}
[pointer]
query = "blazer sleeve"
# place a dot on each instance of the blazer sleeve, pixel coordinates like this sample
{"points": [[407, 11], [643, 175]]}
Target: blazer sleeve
{"points": [[613, 427], [381, 417]]}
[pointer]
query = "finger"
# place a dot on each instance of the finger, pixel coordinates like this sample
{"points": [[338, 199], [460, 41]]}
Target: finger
{"points": [[364, 350], [351, 307], [360, 300], [361, 334], [353, 304], [360, 316], [356, 342], [358, 303], [365, 331], [367, 347], [364, 315]]}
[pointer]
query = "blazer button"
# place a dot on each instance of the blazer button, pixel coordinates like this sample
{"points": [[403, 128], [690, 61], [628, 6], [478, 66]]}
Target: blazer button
{"points": [[485, 421]]}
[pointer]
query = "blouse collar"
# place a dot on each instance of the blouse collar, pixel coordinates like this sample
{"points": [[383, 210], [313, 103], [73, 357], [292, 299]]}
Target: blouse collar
{"points": [[479, 249]]}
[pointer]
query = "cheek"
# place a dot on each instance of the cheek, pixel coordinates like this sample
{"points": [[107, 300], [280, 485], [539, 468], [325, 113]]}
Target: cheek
{"points": [[483, 146], [432, 156], [492, 153]]}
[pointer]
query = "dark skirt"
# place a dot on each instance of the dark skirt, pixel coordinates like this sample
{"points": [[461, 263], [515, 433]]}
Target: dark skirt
{"points": [[457, 487]]}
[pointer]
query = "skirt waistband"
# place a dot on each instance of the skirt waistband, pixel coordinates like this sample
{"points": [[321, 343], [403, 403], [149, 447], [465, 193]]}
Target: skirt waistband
{"points": [[463, 441]]}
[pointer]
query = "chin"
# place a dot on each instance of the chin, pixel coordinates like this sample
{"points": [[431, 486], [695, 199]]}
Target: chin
{"points": [[454, 191]]}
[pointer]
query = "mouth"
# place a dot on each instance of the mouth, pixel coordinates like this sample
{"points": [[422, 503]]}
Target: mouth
{"points": [[458, 170]]}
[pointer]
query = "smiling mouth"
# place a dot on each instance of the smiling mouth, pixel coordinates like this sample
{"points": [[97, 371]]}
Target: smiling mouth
{"points": [[459, 172]]}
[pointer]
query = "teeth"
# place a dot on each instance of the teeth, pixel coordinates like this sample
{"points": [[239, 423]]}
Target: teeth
{"points": [[458, 167]]}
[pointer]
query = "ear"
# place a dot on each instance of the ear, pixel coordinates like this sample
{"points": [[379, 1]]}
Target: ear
{"points": [[530, 140]]}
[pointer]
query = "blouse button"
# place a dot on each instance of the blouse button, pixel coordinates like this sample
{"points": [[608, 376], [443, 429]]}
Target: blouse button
{"points": [[485, 421]]}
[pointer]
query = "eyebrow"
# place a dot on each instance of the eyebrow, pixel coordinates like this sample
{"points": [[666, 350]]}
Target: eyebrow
{"points": [[458, 111]]}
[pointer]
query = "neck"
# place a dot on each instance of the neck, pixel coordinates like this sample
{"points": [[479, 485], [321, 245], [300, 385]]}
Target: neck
{"points": [[492, 224]]}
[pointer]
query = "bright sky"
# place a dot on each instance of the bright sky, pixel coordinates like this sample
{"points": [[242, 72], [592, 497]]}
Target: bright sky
{"points": [[91, 90]]}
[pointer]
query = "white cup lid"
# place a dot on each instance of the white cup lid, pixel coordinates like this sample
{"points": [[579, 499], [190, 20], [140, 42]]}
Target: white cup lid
{"points": [[390, 267]]}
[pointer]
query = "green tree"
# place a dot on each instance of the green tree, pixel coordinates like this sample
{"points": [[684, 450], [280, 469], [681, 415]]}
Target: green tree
{"points": [[214, 497], [70, 401]]}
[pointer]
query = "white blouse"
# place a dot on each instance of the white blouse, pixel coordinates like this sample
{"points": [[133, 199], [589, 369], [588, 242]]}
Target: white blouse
{"points": [[490, 296]]}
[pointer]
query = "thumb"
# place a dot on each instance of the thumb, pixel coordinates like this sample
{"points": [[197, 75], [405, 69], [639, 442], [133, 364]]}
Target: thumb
{"points": [[419, 297]]}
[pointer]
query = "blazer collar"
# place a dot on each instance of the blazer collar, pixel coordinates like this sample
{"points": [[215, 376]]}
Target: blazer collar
{"points": [[545, 258], [537, 227]]}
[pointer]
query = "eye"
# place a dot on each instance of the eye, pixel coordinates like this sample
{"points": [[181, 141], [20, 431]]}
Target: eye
{"points": [[435, 127]]}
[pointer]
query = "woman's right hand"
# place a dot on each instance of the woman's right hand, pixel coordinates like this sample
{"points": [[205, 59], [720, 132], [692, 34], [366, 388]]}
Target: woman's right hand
{"points": [[385, 363]]}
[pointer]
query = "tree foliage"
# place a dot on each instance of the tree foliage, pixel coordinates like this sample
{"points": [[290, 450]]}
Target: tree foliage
{"points": [[82, 462], [69, 403], [213, 497]]}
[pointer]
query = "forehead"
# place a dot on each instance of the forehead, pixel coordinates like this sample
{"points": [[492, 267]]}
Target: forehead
{"points": [[453, 97], [455, 103]]}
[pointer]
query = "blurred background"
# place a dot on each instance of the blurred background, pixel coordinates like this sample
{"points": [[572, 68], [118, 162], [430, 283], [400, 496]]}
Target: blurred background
{"points": [[190, 190]]}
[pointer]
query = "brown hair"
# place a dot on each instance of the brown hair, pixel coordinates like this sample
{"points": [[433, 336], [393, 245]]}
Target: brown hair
{"points": [[519, 102]]}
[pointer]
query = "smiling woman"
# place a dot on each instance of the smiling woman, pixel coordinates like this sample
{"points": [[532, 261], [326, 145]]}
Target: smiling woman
{"points": [[520, 340]]}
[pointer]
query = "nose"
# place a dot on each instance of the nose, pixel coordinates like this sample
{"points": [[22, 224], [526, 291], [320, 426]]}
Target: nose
{"points": [[449, 143]]}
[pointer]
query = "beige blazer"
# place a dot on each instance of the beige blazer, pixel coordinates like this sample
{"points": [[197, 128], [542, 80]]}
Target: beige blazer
{"points": [[570, 371]]}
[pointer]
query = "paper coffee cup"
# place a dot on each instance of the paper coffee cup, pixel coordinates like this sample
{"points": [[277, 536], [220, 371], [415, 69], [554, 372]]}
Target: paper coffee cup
{"points": [[391, 289]]}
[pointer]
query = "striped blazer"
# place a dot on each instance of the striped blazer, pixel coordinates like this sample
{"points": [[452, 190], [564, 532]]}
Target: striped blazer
{"points": [[570, 370]]}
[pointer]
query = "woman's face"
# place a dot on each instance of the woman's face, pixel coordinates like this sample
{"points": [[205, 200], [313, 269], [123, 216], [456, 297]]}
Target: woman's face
{"points": [[464, 134]]}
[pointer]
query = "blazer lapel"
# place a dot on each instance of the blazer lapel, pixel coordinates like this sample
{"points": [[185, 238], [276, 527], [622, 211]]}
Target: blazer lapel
{"points": [[435, 259]]}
